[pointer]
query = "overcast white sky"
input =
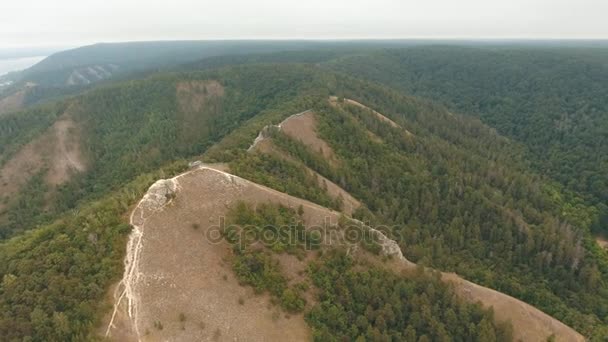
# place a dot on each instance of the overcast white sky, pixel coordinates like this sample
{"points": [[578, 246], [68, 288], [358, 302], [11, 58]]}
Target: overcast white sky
{"points": [[78, 22]]}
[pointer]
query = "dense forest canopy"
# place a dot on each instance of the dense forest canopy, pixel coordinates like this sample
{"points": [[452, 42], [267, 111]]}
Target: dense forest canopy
{"points": [[508, 200], [459, 197], [139, 126], [552, 100]]}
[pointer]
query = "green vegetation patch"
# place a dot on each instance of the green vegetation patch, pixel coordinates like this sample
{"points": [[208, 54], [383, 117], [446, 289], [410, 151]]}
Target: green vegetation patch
{"points": [[377, 305], [259, 233]]}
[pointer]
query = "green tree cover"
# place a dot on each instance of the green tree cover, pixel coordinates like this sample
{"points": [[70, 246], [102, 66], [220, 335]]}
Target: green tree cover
{"points": [[552, 100], [17, 130], [282, 175], [54, 280], [478, 214], [463, 199], [279, 229], [129, 57], [372, 304], [138, 126], [460, 197]]}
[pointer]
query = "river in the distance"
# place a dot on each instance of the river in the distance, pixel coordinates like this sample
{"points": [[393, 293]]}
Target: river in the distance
{"points": [[15, 64]]}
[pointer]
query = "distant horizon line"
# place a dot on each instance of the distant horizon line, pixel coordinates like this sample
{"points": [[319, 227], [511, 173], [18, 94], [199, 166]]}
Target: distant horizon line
{"points": [[449, 38], [52, 48]]}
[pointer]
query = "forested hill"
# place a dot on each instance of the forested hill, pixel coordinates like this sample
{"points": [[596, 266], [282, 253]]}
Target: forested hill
{"points": [[54, 156], [457, 195], [554, 100], [90, 64]]}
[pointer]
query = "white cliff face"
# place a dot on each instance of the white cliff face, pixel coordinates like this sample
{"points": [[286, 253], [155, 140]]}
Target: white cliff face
{"points": [[159, 194], [90, 74], [390, 248]]}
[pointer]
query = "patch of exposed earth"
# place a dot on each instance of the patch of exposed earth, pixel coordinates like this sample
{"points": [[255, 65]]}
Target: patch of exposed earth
{"points": [[12, 102], [177, 266], [192, 96], [57, 151]]}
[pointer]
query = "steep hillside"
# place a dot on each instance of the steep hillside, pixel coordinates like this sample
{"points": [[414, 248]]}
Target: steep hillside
{"points": [[552, 100], [85, 146], [12, 102], [56, 154], [454, 195], [179, 217], [14, 99]]}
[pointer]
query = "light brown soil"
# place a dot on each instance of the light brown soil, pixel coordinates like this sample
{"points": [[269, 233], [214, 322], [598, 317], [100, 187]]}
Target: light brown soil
{"points": [[57, 150], [12, 102], [181, 271], [193, 95], [601, 241], [303, 127], [66, 158], [529, 323], [21, 167]]}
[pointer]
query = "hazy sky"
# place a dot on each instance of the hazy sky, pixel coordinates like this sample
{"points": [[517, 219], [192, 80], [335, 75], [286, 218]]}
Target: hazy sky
{"points": [[77, 22]]}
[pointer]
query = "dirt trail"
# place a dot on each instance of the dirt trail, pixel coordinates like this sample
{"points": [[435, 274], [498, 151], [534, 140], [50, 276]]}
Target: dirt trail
{"points": [[153, 201]]}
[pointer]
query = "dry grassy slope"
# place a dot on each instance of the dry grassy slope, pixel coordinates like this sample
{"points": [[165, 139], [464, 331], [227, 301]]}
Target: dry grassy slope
{"points": [[192, 96], [57, 150], [12, 102], [173, 268], [350, 204], [179, 269], [176, 265], [303, 127]]}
